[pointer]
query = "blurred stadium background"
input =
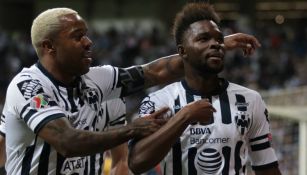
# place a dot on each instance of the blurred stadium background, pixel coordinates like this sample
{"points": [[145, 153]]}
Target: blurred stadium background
{"points": [[129, 32]]}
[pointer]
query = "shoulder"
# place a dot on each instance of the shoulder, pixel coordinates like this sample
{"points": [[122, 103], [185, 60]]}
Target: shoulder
{"points": [[238, 89], [97, 70], [168, 91]]}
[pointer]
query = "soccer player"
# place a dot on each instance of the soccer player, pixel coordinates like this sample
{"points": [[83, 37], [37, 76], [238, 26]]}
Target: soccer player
{"points": [[192, 143], [113, 117], [53, 109]]}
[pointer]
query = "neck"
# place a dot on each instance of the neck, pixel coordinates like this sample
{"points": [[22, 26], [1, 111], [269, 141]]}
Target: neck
{"points": [[205, 84], [56, 71]]}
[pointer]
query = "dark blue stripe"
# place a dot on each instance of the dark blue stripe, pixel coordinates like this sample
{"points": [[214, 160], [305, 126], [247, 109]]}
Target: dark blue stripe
{"points": [[56, 96], [27, 160], [92, 164], [225, 108], [59, 163], [44, 160], [177, 153], [191, 156], [259, 138], [261, 146], [71, 100], [24, 109], [266, 166], [107, 117], [226, 153], [29, 115], [241, 100], [100, 163], [238, 161], [114, 78], [46, 120]]}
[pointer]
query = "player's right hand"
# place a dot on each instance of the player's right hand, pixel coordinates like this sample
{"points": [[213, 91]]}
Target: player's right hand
{"points": [[149, 124], [199, 111]]}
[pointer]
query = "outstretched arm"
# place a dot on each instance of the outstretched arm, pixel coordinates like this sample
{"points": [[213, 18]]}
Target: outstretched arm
{"points": [[248, 43], [169, 69], [71, 142]]}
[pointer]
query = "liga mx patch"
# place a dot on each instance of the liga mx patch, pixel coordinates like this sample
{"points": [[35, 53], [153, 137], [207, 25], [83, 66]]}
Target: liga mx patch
{"points": [[39, 101]]}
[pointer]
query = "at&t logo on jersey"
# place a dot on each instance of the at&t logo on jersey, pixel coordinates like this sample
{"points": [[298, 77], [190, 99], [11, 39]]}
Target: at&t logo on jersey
{"points": [[208, 161]]}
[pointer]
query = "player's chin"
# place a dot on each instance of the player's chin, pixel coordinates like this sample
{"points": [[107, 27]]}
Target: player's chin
{"points": [[84, 70]]}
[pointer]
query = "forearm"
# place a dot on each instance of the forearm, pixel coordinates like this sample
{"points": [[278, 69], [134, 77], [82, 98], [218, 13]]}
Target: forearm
{"points": [[121, 168], [72, 142], [2, 151], [150, 150], [86, 143], [163, 71], [119, 156]]}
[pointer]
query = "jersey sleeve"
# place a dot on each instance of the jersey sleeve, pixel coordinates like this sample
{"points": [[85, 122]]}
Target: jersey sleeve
{"points": [[117, 82], [2, 125], [29, 100], [261, 153], [116, 111], [154, 102]]}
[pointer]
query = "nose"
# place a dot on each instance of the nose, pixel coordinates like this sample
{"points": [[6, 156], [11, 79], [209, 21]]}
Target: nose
{"points": [[87, 42], [215, 44]]}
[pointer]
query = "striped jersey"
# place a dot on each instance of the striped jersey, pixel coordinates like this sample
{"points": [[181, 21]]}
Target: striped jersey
{"points": [[34, 98], [239, 131]]}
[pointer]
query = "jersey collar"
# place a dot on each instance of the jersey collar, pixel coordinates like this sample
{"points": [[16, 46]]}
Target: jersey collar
{"points": [[219, 90], [53, 80]]}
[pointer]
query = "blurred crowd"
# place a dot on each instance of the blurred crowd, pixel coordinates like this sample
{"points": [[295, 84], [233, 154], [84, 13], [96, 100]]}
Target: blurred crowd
{"points": [[280, 63]]}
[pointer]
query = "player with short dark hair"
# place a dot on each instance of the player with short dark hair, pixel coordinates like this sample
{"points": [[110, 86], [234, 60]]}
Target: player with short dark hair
{"points": [[227, 125]]}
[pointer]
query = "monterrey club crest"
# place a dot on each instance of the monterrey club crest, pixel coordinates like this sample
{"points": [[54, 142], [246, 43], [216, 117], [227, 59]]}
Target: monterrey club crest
{"points": [[243, 121]]}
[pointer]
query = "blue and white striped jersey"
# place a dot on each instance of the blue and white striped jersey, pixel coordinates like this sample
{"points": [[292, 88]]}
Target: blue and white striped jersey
{"points": [[34, 98], [238, 132]]}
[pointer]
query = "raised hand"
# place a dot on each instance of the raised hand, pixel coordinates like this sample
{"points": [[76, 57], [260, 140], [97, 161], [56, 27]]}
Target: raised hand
{"points": [[248, 43], [147, 125], [199, 111]]}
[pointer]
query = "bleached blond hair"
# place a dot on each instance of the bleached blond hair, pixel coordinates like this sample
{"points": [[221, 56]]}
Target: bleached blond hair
{"points": [[47, 24]]}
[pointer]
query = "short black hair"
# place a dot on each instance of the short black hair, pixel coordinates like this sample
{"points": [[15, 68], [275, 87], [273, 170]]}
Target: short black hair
{"points": [[190, 13]]}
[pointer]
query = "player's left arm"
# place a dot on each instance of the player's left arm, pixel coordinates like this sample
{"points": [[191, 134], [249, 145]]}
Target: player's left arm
{"points": [[119, 157], [263, 157], [2, 151], [170, 68]]}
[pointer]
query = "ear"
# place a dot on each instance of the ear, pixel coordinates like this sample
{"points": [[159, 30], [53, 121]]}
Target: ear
{"points": [[47, 46], [181, 51]]}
